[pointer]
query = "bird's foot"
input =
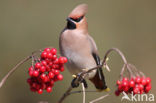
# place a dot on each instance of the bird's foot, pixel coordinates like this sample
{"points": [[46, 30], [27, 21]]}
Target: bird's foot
{"points": [[75, 84], [85, 83]]}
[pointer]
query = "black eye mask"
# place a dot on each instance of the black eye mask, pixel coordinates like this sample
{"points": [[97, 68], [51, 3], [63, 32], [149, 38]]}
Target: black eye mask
{"points": [[78, 19]]}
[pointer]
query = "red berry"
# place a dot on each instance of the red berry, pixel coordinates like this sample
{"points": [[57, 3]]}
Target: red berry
{"points": [[148, 88], [53, 51], [31, 68], [37, 65], [138, 80], [35, 73], [40, 91], [42, 68], [42, 76], [54, 57], [56, 72], [49, 55], [51, 75], [65, 59], [120, 88], [50, 64], [136, 90], [140, 86], [56, 61], [47, 49], [126, 89], [49, 89], [57, 66], [143, 81], [43, 62], [33, 89], [34, 85], [62, 60], [46, 79], [60, 77], [52, 82], [62, 69], [48, 68], [29, 80], [53, 66], [131, 83], [47, 60], [37, 86], [125, 79], [31, 73], [141, 91], [148, 80], [44, 54], [118, 82], [43, 86], [124, 83], [117, 92]]}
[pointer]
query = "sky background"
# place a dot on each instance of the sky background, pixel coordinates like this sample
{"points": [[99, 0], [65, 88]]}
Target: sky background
{"points": [[29, 25]]}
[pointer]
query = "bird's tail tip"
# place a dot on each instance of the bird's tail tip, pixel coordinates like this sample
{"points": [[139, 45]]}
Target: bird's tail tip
{"points": [[105, 90]]}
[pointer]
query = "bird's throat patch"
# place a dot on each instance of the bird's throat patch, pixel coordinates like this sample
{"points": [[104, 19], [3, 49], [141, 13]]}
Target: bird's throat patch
{"points": [[71, 25]]}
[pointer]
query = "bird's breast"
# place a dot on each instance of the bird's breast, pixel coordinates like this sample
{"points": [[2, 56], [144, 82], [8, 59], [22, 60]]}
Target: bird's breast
{"points": [[76, 47]]}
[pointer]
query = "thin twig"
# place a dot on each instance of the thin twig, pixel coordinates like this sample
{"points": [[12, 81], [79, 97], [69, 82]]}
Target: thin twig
{"points": [[65, 94], [122, 71], [84, 94], [118, 51], [98, 99], [80, 91], [13, 69]]}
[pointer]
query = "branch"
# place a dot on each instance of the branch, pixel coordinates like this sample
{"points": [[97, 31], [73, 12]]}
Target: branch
{"points": [[84, 94], [98, 99], [91, 69], [65, 94], [13, 69]]}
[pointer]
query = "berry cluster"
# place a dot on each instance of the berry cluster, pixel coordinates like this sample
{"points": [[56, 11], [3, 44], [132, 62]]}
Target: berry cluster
{"points": [[46, 71], [137, 85]]}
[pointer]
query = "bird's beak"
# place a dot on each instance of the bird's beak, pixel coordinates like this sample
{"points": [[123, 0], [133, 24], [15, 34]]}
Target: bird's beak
{"points": [[69, 19], [70, 23]]}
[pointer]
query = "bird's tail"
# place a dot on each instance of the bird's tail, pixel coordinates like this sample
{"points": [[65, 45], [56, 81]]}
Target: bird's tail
{"points": [[99, 81]]}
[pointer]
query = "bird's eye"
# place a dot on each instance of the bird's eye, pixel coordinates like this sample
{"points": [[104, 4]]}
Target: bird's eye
{"points": [[78, 19]]}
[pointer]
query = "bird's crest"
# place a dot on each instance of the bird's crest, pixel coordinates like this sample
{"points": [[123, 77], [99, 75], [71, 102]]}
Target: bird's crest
{"points": [[79, 11]]}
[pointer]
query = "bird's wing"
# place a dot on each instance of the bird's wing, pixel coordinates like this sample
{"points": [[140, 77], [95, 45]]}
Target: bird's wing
{"points": [[97, 60], [93, 45]]}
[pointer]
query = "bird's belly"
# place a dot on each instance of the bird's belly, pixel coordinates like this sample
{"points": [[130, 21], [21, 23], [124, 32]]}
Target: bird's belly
{"points": [[78, 63]]}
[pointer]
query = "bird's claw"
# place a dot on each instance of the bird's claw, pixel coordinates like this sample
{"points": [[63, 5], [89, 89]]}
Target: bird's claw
{"points": [[75, 85], [85, 83]]}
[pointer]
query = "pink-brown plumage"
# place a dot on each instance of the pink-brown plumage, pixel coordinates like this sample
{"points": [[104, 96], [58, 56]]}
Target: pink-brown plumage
{"points": [[80, 48], [79, 11]]}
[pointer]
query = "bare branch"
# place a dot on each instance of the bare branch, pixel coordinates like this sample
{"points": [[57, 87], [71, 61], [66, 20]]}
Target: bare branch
{"points": [[98, 99], [65, 94], [13, 69], [84, 94], [80, 91]]}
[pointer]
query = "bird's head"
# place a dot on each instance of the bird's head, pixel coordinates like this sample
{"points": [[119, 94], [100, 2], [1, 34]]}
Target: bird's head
{"points": [[77, 19]]}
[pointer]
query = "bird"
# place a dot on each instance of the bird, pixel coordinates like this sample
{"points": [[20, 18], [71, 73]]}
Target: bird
{"points": [[79, 47]]}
